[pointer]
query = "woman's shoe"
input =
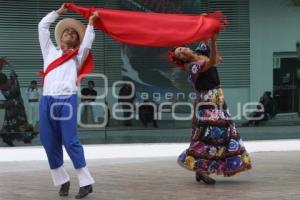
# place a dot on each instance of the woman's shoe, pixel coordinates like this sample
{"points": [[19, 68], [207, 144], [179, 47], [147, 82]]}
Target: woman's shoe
{"points": [[206, 179]]}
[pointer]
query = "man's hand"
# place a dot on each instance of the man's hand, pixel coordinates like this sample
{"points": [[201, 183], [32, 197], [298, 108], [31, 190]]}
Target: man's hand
{"points": [[93, 17], [62, 10]]}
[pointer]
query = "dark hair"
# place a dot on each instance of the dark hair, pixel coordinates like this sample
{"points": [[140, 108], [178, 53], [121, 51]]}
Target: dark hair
{"points": [[3, 79], [268, 93], [203, 49], [91, 82], [33, 82]]}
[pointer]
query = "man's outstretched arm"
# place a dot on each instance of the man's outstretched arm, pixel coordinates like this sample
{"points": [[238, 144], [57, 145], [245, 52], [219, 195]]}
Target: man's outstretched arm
{"points": [[87, 41], [44, 33]]}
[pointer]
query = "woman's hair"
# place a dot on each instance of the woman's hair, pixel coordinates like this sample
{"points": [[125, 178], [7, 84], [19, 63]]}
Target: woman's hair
{"points": [[3, 79], [177, 61], [203, 49], [33, 82]]}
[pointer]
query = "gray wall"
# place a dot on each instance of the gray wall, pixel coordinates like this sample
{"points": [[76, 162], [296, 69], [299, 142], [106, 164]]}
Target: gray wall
{"points": [[274, 27]]}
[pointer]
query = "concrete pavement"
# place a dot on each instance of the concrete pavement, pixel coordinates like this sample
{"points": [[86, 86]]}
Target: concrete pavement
{"points": [[275, 175]]}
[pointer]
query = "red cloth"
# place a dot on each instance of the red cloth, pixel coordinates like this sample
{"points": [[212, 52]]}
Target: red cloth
{"points": [[86, 68], [154, 29]]}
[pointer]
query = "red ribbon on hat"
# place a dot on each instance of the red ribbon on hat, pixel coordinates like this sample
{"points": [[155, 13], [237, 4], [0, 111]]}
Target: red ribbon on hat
{"points": [[172, 58]]}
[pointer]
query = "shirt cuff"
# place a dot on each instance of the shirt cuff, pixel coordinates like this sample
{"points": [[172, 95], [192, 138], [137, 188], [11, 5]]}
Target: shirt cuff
{"points": [[88, 37], [55, 14], [89, 28]]}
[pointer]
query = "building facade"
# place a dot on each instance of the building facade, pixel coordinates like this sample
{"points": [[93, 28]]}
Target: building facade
{"points": [[258, 47]]}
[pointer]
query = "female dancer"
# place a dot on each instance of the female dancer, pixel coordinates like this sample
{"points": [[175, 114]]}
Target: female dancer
{"points": [[216, 146]]}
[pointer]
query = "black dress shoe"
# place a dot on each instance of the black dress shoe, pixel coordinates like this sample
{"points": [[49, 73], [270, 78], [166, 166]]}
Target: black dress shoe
{"points": [[206, 179], [64, 189], [84, 191]]}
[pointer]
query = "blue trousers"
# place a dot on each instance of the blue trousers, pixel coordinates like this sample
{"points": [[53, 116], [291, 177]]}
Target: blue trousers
{"points": [[58, 126]]}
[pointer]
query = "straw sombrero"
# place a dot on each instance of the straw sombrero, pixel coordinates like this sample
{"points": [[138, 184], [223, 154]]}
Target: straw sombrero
{"points": [[68, 23]]}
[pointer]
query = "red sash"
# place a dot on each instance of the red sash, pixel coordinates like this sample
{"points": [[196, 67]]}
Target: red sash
{"points": [[86, 68]]}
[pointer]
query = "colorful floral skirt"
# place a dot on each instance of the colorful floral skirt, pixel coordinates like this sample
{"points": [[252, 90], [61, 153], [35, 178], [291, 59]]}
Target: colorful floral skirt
{"points": [[216, 146]]}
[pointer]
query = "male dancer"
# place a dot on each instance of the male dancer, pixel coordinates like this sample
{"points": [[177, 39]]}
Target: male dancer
{"points": [[58, 105]]}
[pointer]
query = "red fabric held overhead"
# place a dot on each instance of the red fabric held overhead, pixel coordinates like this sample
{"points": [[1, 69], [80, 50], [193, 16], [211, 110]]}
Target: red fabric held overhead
{"points": [[154, 29]]}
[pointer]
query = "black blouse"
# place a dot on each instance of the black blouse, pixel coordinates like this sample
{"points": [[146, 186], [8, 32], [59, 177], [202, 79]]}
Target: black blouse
{"points": [[207, 80]]}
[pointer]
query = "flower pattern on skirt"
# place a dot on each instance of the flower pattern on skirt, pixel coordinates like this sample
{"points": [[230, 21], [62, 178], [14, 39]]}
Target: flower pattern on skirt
{"points": [[215, 148]]}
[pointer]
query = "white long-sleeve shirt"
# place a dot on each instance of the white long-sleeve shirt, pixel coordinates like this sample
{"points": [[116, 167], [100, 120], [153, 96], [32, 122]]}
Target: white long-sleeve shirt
{"points": [[33, 93], [62, 80]]}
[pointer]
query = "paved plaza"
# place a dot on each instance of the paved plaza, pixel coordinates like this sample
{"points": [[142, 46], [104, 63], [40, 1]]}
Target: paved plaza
{"points": [[276, 175]]}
